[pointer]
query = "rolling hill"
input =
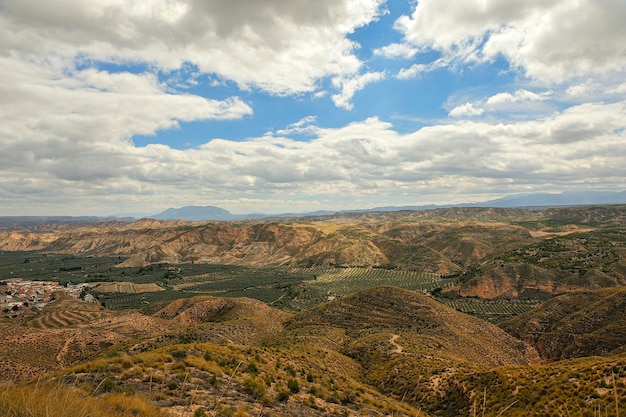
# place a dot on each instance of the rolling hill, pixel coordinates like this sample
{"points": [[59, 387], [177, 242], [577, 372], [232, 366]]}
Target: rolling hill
{"points": [[495, 252], [575, 325], [378, 352]]}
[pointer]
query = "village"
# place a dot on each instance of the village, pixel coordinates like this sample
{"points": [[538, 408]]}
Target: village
{"points": [[17, 295]]}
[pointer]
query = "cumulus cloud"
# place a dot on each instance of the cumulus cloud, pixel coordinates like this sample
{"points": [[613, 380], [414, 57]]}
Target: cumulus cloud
{"points": [[416, 70], [302, 126], [350, 86], [517, 96], [551, 41], [466, 109], [283, 47], [396, 50], [581, 145], [69, 109]]}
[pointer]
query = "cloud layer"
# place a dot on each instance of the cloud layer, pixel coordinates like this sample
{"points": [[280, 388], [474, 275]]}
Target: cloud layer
{"points": [[79, 80], [550, 41], [279, 46], [582, 145]]}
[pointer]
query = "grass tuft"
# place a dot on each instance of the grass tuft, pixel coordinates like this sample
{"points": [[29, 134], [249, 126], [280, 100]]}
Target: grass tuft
{"points": [[51, 399]]}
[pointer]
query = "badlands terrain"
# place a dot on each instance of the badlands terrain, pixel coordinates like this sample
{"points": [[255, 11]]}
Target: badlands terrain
{"points": [[447, 312]]}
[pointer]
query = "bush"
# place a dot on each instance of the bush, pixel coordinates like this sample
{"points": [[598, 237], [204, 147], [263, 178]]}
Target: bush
{"points": [[200, 412], [293, 386], [254, 387], [283, 396]]}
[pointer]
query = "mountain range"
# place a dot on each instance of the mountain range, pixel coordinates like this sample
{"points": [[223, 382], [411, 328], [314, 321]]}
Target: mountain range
{"points": [[571, 198], [213, 213]]}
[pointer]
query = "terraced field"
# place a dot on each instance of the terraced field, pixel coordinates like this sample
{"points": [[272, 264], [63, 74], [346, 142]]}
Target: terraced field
{"points": [[63, 313]]}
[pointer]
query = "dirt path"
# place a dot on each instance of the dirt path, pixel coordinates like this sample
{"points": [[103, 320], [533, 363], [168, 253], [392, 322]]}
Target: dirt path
{"points": [[394, 343], [63, 352]]}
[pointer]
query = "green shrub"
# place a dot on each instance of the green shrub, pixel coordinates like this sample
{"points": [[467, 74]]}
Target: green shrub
{"points": [[293, 386], [283, 396], [200, 412], [254, 387]]}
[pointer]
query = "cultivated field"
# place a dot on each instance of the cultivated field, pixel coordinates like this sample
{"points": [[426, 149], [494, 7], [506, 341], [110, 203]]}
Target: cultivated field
{"points": [[290, 288]]}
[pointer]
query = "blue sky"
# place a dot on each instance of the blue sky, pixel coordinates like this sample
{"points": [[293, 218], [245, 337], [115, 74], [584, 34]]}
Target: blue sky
{"points": [[116, 107]]}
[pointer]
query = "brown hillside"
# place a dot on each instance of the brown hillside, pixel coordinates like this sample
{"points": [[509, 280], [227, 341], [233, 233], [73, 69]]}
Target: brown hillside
{"points": [[590, 323], [407, 344], [573, 262], [420, 245], [426, 327], [212, 319], [64, 333], [379, 352], [233, 355]]}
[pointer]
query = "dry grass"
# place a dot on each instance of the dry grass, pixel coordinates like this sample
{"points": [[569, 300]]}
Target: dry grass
{"points": [[54, 400]]}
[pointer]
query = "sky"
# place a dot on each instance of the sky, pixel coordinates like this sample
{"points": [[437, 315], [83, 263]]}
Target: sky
{"points": [[116, 107]]}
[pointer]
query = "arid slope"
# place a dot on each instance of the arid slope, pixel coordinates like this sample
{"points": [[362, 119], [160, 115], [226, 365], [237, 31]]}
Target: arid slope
{"points": [[589, 323]]}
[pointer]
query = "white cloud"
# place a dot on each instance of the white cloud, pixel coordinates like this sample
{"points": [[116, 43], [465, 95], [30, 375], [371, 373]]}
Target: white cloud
{"points": [[413, 71], [466, 109], [416, 70], [551, 41], [396, 50], [364, 160], [519, 95], [66, 124], [50, 115], [304, 125], [281, 47], [350, 86]]}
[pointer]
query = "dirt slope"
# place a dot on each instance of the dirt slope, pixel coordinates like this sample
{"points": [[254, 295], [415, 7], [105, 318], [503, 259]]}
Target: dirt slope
{"points": [[589, 323]]}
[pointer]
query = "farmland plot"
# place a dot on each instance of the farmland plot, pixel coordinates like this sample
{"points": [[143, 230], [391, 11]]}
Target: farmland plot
{"points": [[329, 283], [493, 311]]}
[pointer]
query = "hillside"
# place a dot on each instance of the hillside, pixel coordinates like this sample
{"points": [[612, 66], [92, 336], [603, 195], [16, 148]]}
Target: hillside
{"points": [[236, 320], [494, 253], [378, 352], [589, 323], [408, 344], [439, 241], [64, 333], [556, 265], [233, 356], [431, 328]]}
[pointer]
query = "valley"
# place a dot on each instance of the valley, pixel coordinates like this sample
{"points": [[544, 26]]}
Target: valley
{"points": [[447, 312]]}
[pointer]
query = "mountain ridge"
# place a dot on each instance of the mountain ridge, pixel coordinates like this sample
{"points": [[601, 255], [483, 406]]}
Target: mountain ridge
{"points": [[214, 213]]}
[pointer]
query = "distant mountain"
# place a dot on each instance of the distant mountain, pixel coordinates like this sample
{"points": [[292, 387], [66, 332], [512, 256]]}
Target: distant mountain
{"points": [[11, 222], [195, 213], [568, 198], [203, 213]]}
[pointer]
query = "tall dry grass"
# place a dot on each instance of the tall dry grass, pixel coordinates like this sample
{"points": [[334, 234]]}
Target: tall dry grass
{"points": [[51, 399]]}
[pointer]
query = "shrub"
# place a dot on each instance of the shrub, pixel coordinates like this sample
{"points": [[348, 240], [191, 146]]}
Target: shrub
{"points": [[283, 396], [200, 412], [254, 387], [252, 368], [268, 400], [293, 386]]}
